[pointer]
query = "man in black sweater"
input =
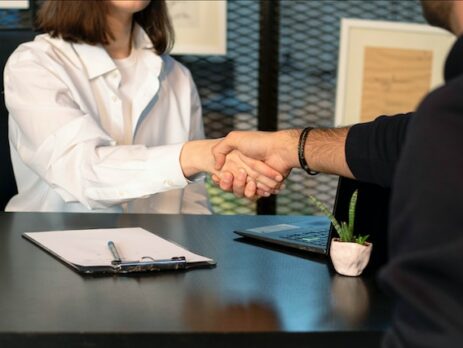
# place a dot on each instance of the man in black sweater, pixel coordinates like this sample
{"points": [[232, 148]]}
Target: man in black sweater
{"points": [[419, 157]]}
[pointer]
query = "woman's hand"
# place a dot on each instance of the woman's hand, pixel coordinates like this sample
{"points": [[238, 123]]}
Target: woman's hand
{"points": [[249, 177], [250, 182]]}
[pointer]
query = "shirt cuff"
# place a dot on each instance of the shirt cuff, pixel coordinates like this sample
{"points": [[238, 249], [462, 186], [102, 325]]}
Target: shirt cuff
{"points": [[164, 162]]}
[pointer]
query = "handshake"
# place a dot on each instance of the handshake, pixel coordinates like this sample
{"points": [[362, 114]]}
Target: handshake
{"points": [[255, 164]]}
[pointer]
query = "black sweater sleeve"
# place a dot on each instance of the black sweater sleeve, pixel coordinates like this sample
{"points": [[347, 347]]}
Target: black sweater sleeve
{"points": [[373, 148]]}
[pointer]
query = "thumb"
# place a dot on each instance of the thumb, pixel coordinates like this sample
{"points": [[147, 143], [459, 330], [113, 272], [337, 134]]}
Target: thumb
{"points": [[220, 151]]}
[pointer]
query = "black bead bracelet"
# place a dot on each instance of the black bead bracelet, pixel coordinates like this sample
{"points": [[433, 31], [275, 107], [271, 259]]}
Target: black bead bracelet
{"points": [[301, 151]]}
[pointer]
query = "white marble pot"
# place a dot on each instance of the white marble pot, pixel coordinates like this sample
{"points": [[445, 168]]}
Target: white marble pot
{"points": [[349, 259]]}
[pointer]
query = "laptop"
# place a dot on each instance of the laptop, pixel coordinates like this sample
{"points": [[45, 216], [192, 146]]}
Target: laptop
{"points": [[315, 232]]}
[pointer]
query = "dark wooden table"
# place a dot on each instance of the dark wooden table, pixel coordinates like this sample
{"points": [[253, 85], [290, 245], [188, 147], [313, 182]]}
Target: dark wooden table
{"points": [[256, 296]]}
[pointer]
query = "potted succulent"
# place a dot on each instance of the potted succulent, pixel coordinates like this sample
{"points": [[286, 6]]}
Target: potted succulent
{"points": [[349, 253]]}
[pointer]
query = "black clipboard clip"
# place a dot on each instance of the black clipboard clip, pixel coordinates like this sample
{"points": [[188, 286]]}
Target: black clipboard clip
{"points": [[146, 264]]}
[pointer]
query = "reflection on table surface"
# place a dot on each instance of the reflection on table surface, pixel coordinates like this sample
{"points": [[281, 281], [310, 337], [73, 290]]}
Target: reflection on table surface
{"points": [[255, 288]]}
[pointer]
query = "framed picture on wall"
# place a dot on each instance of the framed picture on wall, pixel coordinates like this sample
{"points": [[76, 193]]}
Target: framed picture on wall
{"points": [[385, 68], [200, 26], [14, 4]]}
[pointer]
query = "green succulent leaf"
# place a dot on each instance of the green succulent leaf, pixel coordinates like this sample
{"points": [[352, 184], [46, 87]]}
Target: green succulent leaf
{"points": [[352, 206], [324, 209], [361, 239], [345, 237], [345, 230]]}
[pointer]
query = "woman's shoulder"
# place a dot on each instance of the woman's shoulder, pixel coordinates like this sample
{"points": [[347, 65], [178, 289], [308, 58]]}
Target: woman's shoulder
{"points": [[43, 49], [175, 68]]}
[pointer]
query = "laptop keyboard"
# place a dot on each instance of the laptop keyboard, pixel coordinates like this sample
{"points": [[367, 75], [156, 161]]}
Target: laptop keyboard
{"points": [[314, 237]]}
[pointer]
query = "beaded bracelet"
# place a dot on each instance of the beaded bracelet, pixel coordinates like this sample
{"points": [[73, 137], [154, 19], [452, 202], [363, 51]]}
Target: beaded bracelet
{"points": [[301, 151]]}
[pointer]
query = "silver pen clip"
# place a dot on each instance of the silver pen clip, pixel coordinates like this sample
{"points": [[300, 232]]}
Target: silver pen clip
{"points": [[116, 257]]}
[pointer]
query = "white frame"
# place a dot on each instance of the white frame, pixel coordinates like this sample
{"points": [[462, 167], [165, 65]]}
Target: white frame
{"points": [[14, 4], [209, 34], [357, 34]]}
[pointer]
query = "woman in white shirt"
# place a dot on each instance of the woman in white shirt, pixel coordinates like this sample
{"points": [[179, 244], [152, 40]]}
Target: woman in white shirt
{"points": [[102, 120]]}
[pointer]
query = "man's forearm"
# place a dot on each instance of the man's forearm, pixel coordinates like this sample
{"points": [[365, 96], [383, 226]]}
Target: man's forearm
{"points": [[325, 151]]}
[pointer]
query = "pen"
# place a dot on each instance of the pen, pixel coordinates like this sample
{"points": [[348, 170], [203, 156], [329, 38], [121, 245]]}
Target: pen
{"points": [[116, 257]]}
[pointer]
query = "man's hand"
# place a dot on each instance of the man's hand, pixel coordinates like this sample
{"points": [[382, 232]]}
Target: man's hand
{"points": [[276, 149], [248, 177], [324, 151]]}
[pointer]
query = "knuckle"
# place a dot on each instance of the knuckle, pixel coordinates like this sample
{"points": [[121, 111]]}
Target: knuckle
{"points": [[266, 183], [224, 187]]}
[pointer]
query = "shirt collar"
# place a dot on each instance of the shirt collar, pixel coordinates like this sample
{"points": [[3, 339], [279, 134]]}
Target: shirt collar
{"points": [[94, 58], [97, 61]]}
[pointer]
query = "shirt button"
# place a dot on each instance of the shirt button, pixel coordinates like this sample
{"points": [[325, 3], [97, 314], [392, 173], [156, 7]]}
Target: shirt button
{"points": [[114, 98]]}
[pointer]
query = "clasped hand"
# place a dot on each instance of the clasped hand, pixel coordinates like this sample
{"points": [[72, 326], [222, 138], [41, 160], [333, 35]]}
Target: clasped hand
{"points": [[247, 177], [253, 164]]}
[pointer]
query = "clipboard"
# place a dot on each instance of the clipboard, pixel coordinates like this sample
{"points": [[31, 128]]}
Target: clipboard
{"points": [[138, 250]]}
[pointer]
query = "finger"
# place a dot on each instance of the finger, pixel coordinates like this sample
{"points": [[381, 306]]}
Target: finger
{"points": [[264, 182], [262, 168], [219, 161], [226, 182], [262, 173], [222, 149], [235, 161], [250, 189], [215, 179], [274, 191], [262, 193], [239, 183]]}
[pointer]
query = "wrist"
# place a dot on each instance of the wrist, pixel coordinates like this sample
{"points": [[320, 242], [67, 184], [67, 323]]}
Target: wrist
{"points": [[288, 147], [301, 151], [325, 151], [196, 157]]}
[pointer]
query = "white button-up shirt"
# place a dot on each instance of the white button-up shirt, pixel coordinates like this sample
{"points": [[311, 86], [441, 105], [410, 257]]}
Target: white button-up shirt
{"points": [[65, 119]]}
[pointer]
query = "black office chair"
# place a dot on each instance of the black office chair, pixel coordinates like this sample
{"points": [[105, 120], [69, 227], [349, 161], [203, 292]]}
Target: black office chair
{"points": [[9, 39], [371, 215]]}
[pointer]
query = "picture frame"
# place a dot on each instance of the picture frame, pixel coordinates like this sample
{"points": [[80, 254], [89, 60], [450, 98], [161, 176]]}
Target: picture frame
{"points": [[386, 68], [14, 4], [200, 26]]}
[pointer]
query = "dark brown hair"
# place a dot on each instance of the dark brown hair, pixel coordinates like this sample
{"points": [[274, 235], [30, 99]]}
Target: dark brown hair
{"points": [[85, 21]]}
